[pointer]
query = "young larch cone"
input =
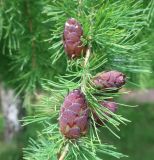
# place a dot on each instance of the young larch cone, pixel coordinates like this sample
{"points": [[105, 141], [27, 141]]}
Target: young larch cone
{"points": [[111, 105], [109, 80], [72, 38], [74, 115]]}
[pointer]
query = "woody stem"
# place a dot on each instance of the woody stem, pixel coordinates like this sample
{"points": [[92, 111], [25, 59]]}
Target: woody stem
{"points": [[62, 156]]}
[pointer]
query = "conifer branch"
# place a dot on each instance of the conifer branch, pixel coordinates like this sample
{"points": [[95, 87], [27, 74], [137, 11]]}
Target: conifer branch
{"points": [[30, 25], [113, 30]]}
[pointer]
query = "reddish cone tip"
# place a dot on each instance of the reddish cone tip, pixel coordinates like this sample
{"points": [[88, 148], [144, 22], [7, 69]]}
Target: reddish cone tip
{"points": [[74, 115], [111, 105], [72, 38], [109, 80]]}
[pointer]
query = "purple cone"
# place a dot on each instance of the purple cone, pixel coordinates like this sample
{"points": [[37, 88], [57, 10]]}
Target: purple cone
{"points": [[109, 80], [111, 105], [72, 38], [74, 115]]}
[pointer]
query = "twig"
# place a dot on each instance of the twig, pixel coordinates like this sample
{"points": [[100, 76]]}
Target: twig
{"points": [[79, 1], [84, 76], [64, 152], [79, 12], [87, 57]]}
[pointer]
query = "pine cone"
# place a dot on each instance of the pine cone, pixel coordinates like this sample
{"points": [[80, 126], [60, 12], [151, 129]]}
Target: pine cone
{"points": [[72, 38], [111, 105], [74, 115], [109, 80]]}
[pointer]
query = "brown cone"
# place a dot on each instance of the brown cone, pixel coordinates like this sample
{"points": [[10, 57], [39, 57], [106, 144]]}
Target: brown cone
{"points": [[74, 115]]}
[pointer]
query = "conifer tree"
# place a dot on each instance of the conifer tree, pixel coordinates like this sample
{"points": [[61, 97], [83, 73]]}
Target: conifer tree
{"points": [[79, 53]]}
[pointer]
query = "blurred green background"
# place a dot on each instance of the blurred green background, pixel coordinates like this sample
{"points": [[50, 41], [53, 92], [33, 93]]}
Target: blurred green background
{"points": [[137, 138]]}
